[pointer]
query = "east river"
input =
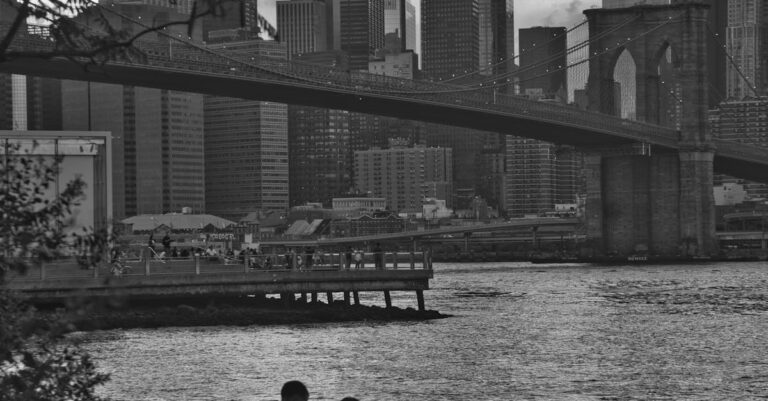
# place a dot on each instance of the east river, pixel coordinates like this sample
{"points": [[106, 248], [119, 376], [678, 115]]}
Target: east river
{"points": [[518, 331]]}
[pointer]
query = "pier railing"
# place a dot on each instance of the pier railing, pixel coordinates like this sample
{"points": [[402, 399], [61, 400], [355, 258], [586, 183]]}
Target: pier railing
{"points": [[203, 264]]}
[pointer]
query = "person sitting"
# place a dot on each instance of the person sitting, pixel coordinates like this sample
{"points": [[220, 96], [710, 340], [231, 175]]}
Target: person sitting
{"points": [[294, 390]]}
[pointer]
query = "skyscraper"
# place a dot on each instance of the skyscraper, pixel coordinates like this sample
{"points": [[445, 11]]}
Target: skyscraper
{"points": [[303, 26], [400, 25], [240, 15], [157, 143], [747, 43], [246, 145], [543, 61], [450, 38], [157, 146], [361, 30], [319, 154], [497, 36]]}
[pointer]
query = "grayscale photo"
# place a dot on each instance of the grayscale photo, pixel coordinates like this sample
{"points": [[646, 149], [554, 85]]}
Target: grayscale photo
{"points": [[389, 200]]}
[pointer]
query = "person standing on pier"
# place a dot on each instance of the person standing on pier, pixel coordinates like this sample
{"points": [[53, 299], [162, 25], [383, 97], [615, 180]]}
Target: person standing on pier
{"points": [[378, 256], [359, 259], [348, 257], [167, 243]]}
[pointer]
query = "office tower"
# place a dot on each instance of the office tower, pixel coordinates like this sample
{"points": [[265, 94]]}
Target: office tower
{"points": [[404, 176], [744, 121], [361, 30], [450, 38], [542, 62], [303, 26], [497, 36], [319, 154], [157, 146], [747, 43], [529, 183], [400, 25], [241, 16], [246, 145]]}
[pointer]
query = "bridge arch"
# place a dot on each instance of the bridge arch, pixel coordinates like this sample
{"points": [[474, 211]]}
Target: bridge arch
{"points": [[659, 202]]}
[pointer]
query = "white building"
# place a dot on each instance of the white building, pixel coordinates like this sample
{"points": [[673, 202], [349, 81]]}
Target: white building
{"points": [[86, 155]]}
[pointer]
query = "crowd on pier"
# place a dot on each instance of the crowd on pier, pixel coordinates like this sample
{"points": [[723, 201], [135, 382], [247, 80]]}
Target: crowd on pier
{"points": [[290, 258]]}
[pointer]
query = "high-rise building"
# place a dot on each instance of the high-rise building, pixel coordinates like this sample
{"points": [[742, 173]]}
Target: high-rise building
{"points": [[157, 146], [242, 16], [361, 30], [497, 36], [530, 179], [543, 61], [400, 25], [747, 43], [404, 176], [744, 121], [450, 42], [303, 26], [246, 145], [158, 164], [319, 154]]}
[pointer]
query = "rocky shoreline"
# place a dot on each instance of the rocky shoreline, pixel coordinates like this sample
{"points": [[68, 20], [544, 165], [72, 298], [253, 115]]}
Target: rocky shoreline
{"points": [[238, 313]]}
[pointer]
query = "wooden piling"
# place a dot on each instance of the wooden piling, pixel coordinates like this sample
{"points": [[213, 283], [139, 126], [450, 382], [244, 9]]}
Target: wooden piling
{"points": [[420, 299], [387, 299]]}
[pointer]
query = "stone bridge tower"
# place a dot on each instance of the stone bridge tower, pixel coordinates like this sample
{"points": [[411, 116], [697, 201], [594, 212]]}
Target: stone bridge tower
{"points": [[658, 199]]}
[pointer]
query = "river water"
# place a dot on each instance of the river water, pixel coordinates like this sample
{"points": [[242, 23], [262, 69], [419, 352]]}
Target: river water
{"points": [[518, 331]]}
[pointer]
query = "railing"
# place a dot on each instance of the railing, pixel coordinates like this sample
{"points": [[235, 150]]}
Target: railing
{"points": [[201, 265]]}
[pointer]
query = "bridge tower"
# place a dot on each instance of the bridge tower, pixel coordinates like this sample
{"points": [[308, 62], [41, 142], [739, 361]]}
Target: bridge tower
{"points": [[653, 199]]}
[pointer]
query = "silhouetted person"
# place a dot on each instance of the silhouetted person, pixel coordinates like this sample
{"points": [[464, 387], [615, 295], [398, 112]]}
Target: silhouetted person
{"points": [[348, 257], [167, 243], [378, 256], [309, 255], [294, 390]]}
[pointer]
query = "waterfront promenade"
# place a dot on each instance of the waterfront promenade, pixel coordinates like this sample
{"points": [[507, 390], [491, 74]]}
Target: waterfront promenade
{"points": [[216, 277]]}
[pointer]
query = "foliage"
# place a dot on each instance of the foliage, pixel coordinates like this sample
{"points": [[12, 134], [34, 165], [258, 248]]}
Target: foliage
{"points": [[102, 39], [34, 365]]}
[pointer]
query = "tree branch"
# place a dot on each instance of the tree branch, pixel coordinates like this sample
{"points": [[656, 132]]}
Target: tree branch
{"points": [[21, 17]]}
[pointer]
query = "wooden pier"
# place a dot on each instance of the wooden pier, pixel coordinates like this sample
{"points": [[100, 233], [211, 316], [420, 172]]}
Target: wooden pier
{"points": [[199, 276]]}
